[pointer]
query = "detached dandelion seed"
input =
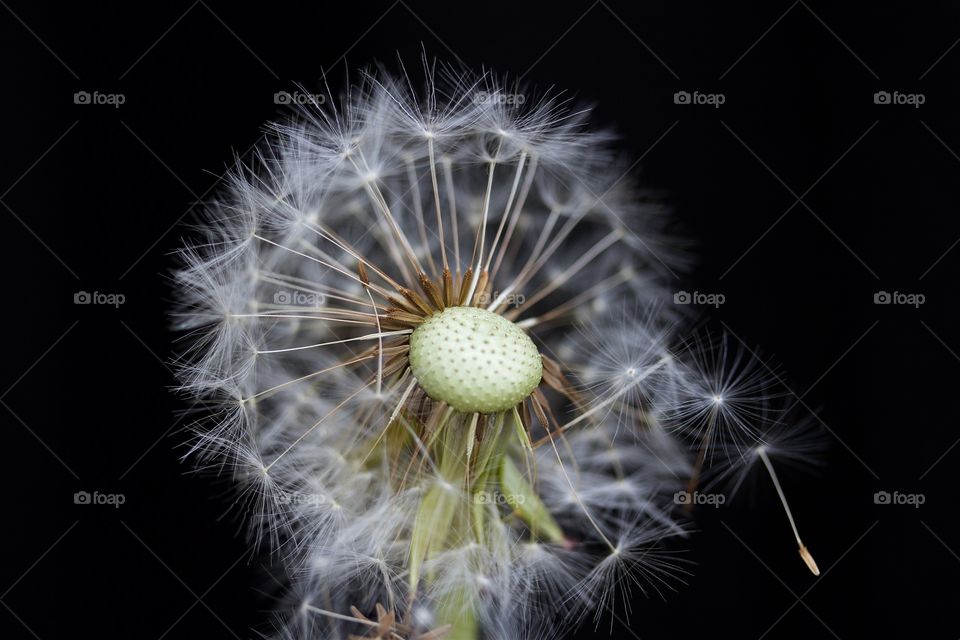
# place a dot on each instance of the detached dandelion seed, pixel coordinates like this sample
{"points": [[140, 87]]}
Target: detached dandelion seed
{"points": [[425, 328], [804, 552]]}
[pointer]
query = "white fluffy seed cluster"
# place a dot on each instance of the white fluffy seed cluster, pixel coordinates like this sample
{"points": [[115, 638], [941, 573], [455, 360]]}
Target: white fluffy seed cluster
{"points": [[300, 373], [474, 360]]}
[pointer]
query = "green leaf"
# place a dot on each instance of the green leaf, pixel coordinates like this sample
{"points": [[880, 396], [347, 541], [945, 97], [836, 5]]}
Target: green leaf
{"points": [[527, 504]]}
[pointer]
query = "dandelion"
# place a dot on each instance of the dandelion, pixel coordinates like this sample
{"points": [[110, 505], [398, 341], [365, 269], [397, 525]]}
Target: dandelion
{"points": [[426, 332]]}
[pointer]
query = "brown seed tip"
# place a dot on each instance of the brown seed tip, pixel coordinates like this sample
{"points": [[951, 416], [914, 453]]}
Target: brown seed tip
{"points": [[808, 559], [362, 272]]}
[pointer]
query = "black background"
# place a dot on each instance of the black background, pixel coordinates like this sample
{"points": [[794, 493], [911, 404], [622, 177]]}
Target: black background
{"points": [[94, 198]]}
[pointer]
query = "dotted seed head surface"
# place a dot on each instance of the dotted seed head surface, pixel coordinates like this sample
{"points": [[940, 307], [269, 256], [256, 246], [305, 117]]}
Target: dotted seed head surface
{"points": [[474, 360]]}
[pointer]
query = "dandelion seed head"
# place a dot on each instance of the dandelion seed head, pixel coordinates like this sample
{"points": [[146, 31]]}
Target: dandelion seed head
{"points": [[426, 331]]}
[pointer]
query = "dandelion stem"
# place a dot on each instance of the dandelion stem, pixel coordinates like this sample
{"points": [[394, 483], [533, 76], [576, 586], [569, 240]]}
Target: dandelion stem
{"points": [[418, 211], [380, 335], [515, 216], [536, 261], [576, 496], [436, 202], [379, 345], [336, 268], [393, 416], [561, 310], [506, 209], [583, 261], [316, 424], [452, 197], [600, 405], [306, 377], [357, 255], [701, 457], [482, 231], [339, 616], [375, 195]]}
